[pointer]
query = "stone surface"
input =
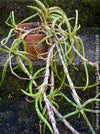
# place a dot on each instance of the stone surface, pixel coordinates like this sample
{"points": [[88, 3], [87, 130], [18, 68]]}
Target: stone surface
{"points": [[88, 39], [17, 116], [88, 11]]}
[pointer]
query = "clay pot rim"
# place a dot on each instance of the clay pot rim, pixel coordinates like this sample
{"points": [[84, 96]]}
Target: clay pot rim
{"points": [[39, 34], [31, 34], [29, 24]]}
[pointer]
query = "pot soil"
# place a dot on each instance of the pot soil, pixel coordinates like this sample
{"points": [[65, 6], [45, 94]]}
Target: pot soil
{"points": [[33, 38]]}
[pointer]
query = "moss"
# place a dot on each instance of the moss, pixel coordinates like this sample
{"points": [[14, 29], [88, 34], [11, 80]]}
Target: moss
{"points": [[22, 1], [88, 11], [51, 2], [1, 31], [62, 4], [3, 17], [27, 111], [84, 20], [1, 117], [11, 85], [92, 30]]}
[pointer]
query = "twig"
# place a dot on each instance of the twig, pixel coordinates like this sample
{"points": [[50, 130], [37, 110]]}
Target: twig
{"points": [[48, 103], [97, 95], [52, 81], [84, 59], [27, 71], [72, 64], [50, 112], [76, 97], [47, 73], [52, 76], [15, 73], [63, 120], [51, 116], [27, 99]]}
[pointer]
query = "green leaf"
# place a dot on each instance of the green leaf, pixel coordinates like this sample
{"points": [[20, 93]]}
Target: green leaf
{"points": [[23, 21], [4, 41], [41, 116], [5, 69]]}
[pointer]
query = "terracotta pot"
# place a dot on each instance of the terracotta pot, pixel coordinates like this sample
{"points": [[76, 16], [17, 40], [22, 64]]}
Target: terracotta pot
{"points": [[31, 39]]}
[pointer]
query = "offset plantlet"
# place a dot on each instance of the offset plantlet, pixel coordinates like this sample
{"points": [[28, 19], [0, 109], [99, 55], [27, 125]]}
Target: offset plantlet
{"points": [[62, 44]]}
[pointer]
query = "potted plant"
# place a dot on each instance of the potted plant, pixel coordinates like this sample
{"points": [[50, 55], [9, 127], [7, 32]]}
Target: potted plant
{"points": [[33, 37], [62, 41]]}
